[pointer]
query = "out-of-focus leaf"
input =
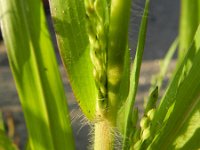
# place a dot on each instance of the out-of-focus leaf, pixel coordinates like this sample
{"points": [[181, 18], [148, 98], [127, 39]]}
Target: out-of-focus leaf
{"points": [[5, 142], [69, 22], [158, 79], [181, 97], [34, 67], [1, 122]]}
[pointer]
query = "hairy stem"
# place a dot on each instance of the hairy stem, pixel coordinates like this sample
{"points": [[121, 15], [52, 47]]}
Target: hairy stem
{"points": [[107, 28], [104, 137]]}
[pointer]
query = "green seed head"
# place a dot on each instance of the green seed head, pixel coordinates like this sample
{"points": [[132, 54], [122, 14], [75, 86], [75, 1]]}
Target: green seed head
{"points": [[146, 133], [137, 145], [144, 123], [151, 113]]}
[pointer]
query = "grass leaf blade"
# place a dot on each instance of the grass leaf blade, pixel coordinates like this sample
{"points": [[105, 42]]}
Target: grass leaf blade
{"points": [[69, 22], [135, 75], [34, 67], [178, 99]]}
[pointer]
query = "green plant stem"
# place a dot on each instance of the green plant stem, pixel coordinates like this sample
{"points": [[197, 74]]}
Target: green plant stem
{"points": [[104, 138], [118, 34], [158, 79], [116, 60], [189, 21]]}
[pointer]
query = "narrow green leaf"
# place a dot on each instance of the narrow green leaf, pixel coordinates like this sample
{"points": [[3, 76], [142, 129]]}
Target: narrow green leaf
{"points": [[178, 98], [69, 22], [135, 76], [158, 79], [34, 67], [123, 91]]}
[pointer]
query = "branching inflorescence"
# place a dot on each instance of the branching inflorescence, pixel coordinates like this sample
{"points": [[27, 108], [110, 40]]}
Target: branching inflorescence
{"points": [[97, 28]]}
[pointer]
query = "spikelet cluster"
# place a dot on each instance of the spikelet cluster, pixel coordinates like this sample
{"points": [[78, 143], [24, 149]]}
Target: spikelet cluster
{"points": [[143, 134], [97, 28]]}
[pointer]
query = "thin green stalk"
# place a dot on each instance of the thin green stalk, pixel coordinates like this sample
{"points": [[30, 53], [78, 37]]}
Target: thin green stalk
{"points": [[117, 47], [189, 21], [164, 65], [104, 27]]}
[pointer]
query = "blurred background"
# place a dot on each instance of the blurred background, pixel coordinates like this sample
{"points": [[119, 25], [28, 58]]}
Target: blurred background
{"points": [[162, 30]]}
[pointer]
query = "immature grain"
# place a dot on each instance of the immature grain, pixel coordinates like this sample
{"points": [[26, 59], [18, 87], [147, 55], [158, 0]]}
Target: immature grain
{"points": [[97, 28]]}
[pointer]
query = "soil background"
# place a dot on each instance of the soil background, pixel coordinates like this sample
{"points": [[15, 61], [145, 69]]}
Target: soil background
{"points": [[162, 30]]}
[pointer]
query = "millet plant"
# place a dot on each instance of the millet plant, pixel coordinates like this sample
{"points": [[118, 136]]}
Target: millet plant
{"points": [[92, 36]]}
